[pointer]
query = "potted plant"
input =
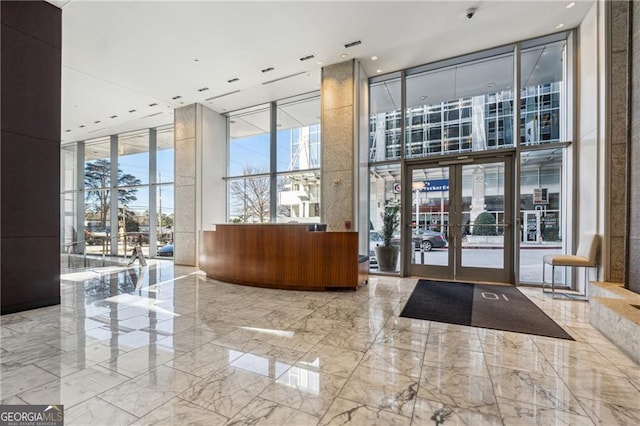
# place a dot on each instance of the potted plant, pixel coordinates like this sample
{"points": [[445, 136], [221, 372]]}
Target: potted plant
{"points": [[387, 254]]}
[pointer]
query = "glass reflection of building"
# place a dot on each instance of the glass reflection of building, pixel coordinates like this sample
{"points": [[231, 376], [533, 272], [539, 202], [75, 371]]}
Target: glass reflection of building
{"points": [[462, 125]]}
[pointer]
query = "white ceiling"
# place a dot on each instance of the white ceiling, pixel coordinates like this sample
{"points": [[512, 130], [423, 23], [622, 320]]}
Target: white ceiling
{"points": [[120, 56]]}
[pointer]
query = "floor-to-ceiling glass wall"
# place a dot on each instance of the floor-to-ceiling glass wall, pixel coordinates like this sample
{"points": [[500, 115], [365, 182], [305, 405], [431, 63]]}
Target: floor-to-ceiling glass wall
{"points": [[544, 136], [138, 173], [458, 115], [385, 151]]}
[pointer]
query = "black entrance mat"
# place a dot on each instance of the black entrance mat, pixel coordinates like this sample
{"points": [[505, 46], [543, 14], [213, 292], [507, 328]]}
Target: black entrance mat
{"points": [[480, 305]]}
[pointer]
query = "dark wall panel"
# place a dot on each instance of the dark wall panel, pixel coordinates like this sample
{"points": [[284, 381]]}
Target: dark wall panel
{"points": [[30, 155], [30, 100], [29, 278], [31, 191]]}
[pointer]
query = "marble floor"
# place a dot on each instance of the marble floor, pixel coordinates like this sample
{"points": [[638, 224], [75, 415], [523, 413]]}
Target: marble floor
{"points": [[166, 345]]}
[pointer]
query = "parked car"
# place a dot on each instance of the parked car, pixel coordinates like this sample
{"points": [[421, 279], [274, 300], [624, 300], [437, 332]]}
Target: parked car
{"points": [[426, 240], [375, 239], [166, 250]]}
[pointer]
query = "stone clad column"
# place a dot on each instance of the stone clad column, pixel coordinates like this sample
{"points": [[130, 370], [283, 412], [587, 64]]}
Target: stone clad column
{"points": [[340, 106], [184, 233], [199, 189]]}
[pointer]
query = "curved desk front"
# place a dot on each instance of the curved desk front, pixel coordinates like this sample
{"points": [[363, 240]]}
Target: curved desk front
{"points": [[282, 256]]}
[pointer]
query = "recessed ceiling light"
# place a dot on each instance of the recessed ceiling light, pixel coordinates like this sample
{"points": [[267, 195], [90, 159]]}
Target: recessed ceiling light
{"points": [[344, 55], [491, 84], [306, 58], [176, 97], [374, 58], [559, 26], [203, 89], [320, 62], [233, 80], [571, 4], [378, 71]]}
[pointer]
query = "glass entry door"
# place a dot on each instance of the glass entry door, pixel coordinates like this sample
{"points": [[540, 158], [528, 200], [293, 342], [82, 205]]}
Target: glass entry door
{"points": [[461, 223]]}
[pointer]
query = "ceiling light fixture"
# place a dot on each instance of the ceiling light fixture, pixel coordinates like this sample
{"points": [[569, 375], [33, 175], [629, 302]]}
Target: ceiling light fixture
{"points": [[233, 80], [320, 62], [378, 71], [176, 97], [559, 26], [203, 89], [306, 58], [352, 44], [267, 69], [374, 58], [344, 55], [571, 4]]}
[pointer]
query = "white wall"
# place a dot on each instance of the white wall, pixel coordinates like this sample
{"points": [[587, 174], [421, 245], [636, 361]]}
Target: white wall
{"points": [[589, 140]]}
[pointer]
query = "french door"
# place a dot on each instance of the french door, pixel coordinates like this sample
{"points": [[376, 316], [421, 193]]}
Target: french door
{"points": [[460, 220]]}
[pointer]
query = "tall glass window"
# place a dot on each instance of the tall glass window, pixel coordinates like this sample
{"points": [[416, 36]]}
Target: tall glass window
{"points": [[275, 177], [298, 160]]}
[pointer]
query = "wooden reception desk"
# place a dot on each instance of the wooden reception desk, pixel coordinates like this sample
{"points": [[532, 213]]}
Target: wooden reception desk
{"points": [[282, 256]]}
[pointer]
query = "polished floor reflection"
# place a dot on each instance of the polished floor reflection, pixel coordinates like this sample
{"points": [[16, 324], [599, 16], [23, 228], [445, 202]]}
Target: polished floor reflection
{"points": [[165, 345]]}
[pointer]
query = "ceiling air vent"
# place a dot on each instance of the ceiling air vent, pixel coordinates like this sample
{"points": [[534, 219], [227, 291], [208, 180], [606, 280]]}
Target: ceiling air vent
{"points": [[233, 80], [268, 69], [284, 78], [203, 89], [222, 95], [306, 58], [352, 44], [176, 97], [150, 115]]}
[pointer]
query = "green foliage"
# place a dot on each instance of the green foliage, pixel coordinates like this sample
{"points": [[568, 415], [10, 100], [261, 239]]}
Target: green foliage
{"points": [[390, 222], [485, 218]]}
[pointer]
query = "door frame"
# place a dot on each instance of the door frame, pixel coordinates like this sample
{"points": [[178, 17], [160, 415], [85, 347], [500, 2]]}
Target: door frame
{"points": [[454, 271]]}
